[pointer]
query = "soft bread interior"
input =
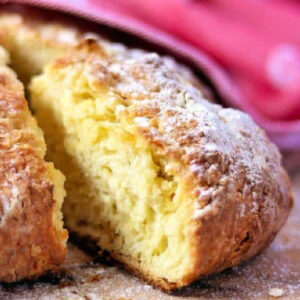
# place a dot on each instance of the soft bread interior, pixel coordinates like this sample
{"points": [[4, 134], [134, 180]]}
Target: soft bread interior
{"points": [[120, 191]]}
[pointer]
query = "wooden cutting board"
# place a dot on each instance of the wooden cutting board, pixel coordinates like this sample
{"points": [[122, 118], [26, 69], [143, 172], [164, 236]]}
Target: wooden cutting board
{"points": [[275, 272]]}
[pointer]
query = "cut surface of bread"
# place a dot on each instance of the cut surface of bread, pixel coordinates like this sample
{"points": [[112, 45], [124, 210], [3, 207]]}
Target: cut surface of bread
{"points": [[119, 192], [171, 185], [32, 237]]}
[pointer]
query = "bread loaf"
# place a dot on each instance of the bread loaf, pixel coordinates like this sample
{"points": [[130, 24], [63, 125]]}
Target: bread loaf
{"points": [[172, 186], [169, 184]]}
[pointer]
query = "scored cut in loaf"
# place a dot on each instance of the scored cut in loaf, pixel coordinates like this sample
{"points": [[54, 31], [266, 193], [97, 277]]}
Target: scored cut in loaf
{"points": [[169, 184], [172, 186], [32, 237]]}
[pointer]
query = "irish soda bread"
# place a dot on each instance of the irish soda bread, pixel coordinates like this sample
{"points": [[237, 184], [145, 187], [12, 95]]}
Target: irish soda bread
{"points": [[172, 186], [32, 238]]}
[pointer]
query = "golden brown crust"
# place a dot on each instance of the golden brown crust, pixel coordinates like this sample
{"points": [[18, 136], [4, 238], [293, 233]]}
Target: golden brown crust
{"points": [[29, 245], [241, 192]]}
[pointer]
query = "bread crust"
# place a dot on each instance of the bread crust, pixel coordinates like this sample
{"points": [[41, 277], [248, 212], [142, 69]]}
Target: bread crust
{"points": [[29, 242]]}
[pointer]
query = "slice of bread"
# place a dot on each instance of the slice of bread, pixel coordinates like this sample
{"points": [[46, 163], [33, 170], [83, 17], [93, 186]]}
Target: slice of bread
{"points": [[32, 237], [172, 186]]}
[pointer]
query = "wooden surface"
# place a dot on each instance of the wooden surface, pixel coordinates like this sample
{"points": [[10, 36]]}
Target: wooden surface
{"points": [[82, 277]]}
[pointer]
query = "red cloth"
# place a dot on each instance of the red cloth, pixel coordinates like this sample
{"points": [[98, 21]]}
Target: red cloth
{"points": [[256, 41]]}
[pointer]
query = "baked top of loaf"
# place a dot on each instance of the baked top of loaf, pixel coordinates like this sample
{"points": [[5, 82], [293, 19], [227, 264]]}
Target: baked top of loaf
{"points": [[234, 191], [31, 191]]}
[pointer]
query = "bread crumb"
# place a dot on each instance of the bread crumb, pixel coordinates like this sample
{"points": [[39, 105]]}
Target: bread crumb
{"points": [[275, 292]]}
